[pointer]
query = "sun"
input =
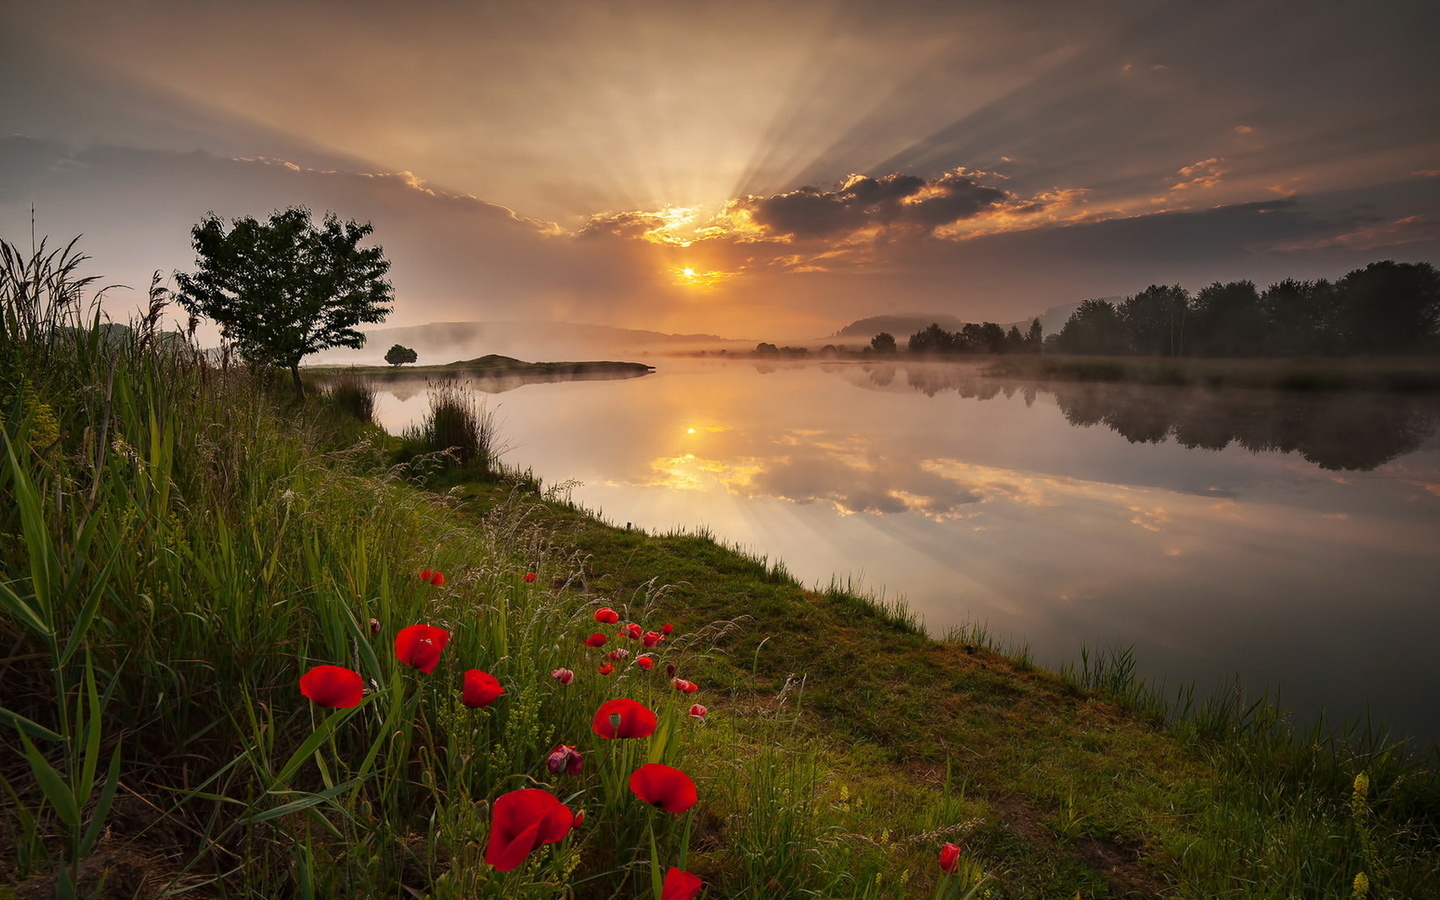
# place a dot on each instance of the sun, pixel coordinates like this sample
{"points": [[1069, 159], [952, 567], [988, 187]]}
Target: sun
{"points": [[694, 278], [687, 273]]}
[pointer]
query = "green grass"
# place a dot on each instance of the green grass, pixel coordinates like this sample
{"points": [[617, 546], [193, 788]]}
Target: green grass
{"points": [[179, 545]]}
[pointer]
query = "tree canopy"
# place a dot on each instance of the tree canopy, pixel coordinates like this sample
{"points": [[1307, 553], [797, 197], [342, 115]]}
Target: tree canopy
{"points": [[398, 355], [284, 289]]}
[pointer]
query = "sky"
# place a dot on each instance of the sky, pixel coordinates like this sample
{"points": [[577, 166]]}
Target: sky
{"points": [[747, 169]]}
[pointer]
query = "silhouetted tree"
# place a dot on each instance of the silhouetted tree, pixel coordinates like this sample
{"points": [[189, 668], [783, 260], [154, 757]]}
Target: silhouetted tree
{"points": [[1302, 318], [284, 289], [1095, 327], [1226, 320], [934, 339], [1390, 307], [1034, 337], [398, 355], [1154, 320], [1014, 340], [884, 342]]}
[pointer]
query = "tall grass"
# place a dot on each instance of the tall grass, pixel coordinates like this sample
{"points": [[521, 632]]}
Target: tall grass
{"points": [[458, 425]]}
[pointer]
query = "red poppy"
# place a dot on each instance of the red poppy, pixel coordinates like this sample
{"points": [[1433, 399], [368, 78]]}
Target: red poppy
{"points": [[645, 662], [949, 857], [660, 785], [651, 638], [606, 616], [617, 654], [631, 631], [688, 687], [667, 628], [596, 640], [564, 758], [529, 577], [334, 686], [564, 676], [623, 718], [681, 885], [579, 818], [420, 646], [432, 576], [481, 689], [698, 711], [522, 820], [605, 668]]}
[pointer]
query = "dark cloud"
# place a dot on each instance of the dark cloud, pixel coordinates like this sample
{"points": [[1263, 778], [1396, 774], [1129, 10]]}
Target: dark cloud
{"points": [[864, 202]]}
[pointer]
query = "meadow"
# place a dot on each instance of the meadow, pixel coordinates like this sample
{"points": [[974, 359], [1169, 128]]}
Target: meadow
{"points": [[253, 646]]}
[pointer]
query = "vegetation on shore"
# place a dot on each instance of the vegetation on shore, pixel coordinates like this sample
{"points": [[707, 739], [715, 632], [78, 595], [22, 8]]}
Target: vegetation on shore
{"points": [[1376, 373], [491, 365], [182, 545]]}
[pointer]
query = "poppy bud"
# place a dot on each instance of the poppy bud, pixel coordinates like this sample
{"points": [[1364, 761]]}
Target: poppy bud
{"points": [[698, 711], [374, 627], [949, 857], [579, 819], [669, 670], [564, 676], [564, 758], [667, 628]]}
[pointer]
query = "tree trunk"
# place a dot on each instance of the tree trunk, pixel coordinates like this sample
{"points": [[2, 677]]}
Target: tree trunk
{"points": [[295, 376]]}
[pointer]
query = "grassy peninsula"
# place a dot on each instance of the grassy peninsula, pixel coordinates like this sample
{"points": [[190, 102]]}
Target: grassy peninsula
{"points": [[183, 546]]}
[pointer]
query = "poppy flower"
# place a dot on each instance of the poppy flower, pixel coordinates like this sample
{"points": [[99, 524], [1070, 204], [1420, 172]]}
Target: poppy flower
{"points": [[632, 631], [432, 576], [605, 668], [681, 885], [623, 718], [420, 646], [949, 857], [522, 820], [564, 758], [564, 676], [688, 687], [617, 655], [606, 616], [579, 818], [529, 577], [667, 629], [660, 785], [334, 686], [481, 689], [698, 711], [645, 662], [596, 640], [651, 638]]}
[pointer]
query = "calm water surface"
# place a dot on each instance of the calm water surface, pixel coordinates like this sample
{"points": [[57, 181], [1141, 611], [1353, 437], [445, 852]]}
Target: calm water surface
{"points": [[1287, 540]]}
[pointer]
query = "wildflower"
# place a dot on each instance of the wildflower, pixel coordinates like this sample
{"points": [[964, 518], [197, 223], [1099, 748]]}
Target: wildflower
{"points": [[623, 718], [606, 616], [662, 786], [374, 627], [632, 631], [645, 662], [579, 818], [680, 885], [432, 576], [698, 711], [949, 857], [529, 577], [596, 640], [420, 646], [481, 689], [667, 629], [521, 821], [564, 676], [651, 638], [605, 668], [564, 758], [669, 670], [617, 654], [334, 686], [687, 687], [1360, 887]]}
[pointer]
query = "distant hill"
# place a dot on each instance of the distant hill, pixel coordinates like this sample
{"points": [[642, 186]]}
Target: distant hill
{"points": [[901, 325], [446, 342]]}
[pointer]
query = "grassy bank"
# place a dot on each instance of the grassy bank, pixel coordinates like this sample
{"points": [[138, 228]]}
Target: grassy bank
{"points": [[181, 547], [1300, 374]]}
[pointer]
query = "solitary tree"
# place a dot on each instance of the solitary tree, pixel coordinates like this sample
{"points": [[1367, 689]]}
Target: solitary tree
{"points": [[884, 342], [283, 289], [398, 355]]}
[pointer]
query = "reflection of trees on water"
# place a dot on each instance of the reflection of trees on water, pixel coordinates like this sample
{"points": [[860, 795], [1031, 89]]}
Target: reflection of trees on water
{"points": [[1345, 430]]}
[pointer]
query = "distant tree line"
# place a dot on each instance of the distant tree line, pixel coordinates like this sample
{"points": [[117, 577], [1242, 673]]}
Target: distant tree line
{"points": [[1384, 308]]}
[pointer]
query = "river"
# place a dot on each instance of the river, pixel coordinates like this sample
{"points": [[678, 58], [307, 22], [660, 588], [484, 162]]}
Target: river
{"points": [[1287, 542]]}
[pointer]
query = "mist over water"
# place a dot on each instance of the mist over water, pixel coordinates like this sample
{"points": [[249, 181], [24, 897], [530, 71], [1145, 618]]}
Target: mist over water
{"points": [[1289, 540]]}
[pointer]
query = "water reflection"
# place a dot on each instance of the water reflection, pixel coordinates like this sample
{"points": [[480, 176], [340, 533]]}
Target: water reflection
{"points": [[979, 499], [1356, 430]]}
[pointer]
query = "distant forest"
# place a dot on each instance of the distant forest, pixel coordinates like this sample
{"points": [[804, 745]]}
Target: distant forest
{"points": [[1384, 308]]}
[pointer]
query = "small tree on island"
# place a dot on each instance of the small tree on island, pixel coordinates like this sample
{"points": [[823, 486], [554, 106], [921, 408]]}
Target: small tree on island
{"points": [[398, 355], [284, 289], [884, 342]]}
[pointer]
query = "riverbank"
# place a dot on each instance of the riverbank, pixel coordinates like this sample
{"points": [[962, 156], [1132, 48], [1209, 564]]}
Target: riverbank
{"points": [[1401, 374], [491, 366]]}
